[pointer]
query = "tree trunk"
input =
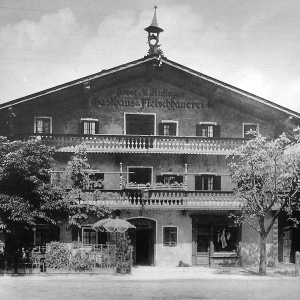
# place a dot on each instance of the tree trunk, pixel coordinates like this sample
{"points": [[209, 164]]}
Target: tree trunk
{"points": [[262, 256]]}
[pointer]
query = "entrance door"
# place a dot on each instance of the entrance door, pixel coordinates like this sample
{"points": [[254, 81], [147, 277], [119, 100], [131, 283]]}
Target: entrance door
{"points": [[142, 240], [203, 241]]}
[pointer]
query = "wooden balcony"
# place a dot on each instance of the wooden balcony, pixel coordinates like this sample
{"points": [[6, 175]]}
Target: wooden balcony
{"points": [[140, 144], [159, 199]]}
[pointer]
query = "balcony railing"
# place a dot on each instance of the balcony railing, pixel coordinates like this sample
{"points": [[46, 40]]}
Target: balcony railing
{"points": [[139, 144], [159, 199]]}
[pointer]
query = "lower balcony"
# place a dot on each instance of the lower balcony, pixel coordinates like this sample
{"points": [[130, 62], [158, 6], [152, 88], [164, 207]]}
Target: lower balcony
{"points": [[139, 144], [160, 199]]}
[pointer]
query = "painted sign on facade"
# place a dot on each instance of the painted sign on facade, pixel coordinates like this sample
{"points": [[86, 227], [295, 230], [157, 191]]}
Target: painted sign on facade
{"points": [[147, 98]]}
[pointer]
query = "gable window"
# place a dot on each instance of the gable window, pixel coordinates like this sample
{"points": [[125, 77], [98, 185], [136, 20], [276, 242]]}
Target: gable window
{"points": [[250, 127], [89, 126], [168, 128], [208, 130], [43, 125], [208, 183], [139, 124], [169, 179], [170, 236]]}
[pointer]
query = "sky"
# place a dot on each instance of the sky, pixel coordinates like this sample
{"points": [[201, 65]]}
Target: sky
{"points": [[251, 44]]}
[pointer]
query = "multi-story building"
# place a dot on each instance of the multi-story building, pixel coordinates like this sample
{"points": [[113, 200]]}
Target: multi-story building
{"points": [[157, 134]]}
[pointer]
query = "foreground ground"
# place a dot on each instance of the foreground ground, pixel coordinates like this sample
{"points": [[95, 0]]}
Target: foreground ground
{"points": [[154, 283]]}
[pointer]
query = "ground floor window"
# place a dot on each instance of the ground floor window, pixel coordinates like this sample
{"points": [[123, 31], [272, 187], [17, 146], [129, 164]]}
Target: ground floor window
{"points": [[222, 236], [170, 236], [42, 236], [91, 237]]}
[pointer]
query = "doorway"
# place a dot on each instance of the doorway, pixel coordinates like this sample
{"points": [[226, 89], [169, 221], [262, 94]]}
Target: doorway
{"points": [[143, 241]]}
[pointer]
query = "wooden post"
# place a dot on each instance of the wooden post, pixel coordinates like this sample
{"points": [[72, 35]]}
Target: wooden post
{"points": [[297, 258]]}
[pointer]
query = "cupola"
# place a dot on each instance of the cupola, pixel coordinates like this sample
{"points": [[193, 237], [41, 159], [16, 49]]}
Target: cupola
{"points": [[153, 36]]}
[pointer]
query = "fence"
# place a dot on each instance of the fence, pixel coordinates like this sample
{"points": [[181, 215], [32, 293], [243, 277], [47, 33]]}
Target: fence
{"points": [[61, 258]]}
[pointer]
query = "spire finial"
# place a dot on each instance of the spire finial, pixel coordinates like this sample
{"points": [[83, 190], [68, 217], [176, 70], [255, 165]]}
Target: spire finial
{"points": [[153, 35]]}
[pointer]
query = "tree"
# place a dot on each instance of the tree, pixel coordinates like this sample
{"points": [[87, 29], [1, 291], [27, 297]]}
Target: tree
{"points": [[26, 195], [79, 171], [266, 173]]}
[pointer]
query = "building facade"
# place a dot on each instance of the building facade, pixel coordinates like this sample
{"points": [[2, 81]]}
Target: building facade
{"points": [[157, 135]]}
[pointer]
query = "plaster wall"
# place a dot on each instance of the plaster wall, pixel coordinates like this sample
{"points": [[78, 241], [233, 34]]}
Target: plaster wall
{"points": [[169, 256], [67, 107]]}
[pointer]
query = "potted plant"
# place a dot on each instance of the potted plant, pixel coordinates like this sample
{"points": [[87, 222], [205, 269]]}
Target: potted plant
{"points": [[124, 255]]}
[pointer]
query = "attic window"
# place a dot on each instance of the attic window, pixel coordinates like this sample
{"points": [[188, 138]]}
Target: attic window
{"points": [[248, 127], [89, 126], [208, 129], [43, 125], [168, 128]]}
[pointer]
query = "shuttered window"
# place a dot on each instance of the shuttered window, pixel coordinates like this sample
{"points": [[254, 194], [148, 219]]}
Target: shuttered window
{"points": [[89, 126], [247, 130], [208, 183], [208, 130], [168, 129], [170, 236], [169, 179], [42, 125]]}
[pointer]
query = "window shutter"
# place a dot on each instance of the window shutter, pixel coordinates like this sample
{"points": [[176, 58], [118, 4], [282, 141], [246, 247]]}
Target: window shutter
{"points": [[54, 233], [198, 185], [159, 179], [97, 127], [199, 128], [217, 130], [81, 127], [217, 183], [75, 232], [173, 129], [161, 129]]}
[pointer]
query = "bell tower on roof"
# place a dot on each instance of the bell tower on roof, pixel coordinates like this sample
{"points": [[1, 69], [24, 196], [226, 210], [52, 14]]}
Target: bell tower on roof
{"points": [[153, 36]]}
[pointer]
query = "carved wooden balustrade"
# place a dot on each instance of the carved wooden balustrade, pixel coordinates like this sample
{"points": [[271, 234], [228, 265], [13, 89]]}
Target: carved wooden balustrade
{"points": [[159, 199], [139, 144]]}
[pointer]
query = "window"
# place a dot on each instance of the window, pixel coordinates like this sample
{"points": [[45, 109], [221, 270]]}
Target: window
{"points": [[140, 175], [42, 236], [169, 179], [88, 236], [170, 236], [96, 180], [139, 124], [91, 237], [43, 125], [89, 126], [250, 127], [208, 183], [208, 130], [168, 128]]}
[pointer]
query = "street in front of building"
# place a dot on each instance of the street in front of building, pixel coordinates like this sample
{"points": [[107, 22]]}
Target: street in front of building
{"points": [[156, 283]]}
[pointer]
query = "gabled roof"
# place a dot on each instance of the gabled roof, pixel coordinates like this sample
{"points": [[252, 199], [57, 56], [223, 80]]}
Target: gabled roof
{"points": [[214, 83]]}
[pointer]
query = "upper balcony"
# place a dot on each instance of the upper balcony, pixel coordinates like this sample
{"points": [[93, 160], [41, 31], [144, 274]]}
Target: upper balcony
{"points": [[101, 143]]}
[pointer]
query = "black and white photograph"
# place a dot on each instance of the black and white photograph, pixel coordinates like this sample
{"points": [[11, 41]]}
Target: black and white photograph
{"points": [[149, 149]]}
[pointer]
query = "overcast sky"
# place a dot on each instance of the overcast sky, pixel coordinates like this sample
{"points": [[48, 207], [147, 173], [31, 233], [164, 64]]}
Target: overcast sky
{"points": [[251, 44]]}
